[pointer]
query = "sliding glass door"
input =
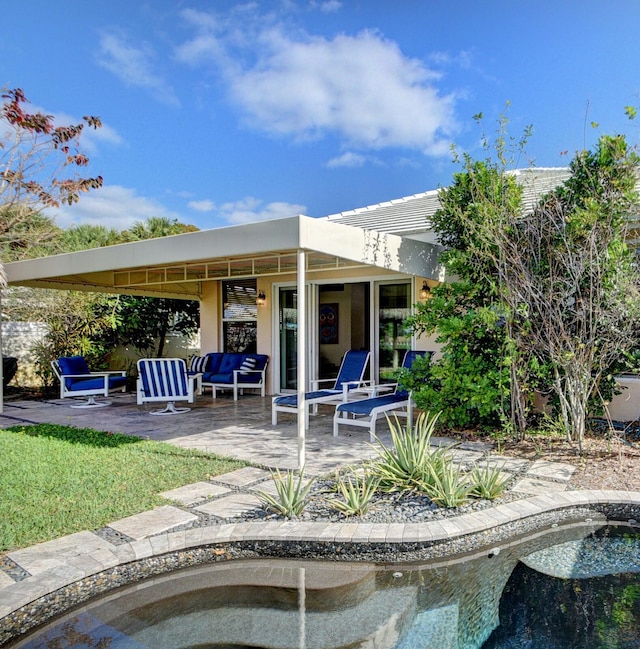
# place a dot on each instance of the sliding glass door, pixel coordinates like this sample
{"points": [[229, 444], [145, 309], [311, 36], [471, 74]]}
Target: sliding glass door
{"points": [[288, 337], [394, 338]]}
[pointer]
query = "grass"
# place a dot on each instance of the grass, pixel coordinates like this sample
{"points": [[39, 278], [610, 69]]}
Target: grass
{"points": [[56, 480]]}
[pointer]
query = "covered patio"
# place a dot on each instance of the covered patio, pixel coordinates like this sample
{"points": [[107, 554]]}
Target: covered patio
{"points": [[298, 252]]}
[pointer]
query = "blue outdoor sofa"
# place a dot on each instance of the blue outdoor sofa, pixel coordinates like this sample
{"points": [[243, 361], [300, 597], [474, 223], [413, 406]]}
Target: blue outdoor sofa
{"points": [[231, 371]]}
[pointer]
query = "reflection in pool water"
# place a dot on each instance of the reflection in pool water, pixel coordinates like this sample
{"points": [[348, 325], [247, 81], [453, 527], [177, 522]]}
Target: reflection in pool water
{"points": [[533, 592]]}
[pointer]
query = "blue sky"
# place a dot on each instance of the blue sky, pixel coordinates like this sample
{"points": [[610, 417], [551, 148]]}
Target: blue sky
{"points": [[219, 112]]}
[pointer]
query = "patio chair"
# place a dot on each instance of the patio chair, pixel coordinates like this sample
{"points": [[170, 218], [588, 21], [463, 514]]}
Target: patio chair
{"points": [[164, 379], [365, 412], [350, 377], [76, 380]]}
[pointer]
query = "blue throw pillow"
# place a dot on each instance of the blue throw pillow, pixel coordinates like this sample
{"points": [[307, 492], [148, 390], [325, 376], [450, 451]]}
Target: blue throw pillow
{"points": [[249, 363], [198, 364]]}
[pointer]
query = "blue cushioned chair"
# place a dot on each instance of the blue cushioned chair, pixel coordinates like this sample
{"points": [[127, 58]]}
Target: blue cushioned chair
{"points": [[164, 379], [350, 376], [365, 412], [76, 380]]}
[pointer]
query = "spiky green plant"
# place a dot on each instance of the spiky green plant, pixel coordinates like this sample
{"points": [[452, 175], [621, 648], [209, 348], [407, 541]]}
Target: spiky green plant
{"points": [[488, 481], [448, 485], [292, 495], [403, 466], [357, 490]]}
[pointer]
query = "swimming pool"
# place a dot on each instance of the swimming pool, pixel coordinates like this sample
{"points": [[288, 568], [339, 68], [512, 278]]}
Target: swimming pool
{"points": [[568, 584]]}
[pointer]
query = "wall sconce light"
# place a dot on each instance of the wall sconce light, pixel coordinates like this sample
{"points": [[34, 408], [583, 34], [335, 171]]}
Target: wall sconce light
{"points": [[425, 291], [261, 300]]}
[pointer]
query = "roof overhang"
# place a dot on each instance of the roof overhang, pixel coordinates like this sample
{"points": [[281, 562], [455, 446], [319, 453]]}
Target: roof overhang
{"points": [[177, 266]]}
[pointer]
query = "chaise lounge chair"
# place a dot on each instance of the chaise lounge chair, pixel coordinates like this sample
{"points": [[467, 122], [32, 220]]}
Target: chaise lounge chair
{"points": [[350, 376], [76, 380], [365, 412], [164, 379]]}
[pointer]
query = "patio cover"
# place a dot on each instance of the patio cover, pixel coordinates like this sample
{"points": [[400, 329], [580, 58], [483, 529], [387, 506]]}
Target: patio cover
{"points": [[177, 266]]}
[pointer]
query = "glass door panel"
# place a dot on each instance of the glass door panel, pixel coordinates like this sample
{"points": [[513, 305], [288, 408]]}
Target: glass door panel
{"points": [[288, 325], [394, 339]]}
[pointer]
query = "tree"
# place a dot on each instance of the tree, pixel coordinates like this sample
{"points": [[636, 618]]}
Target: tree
{"points": [[39, 163], [145, 322], [561, 279], [570, 281], [470, 383]]}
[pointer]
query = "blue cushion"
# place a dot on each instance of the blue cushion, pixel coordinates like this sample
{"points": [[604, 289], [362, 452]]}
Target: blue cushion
{"points": [[292, 399], [230, 362], [96, 383], [365, 406], [73, 365], [213, 364], [352, 368], [218, 377], [163, 377]]}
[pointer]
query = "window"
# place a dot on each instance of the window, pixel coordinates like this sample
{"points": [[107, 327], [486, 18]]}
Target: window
{"points": [[239, 316]]}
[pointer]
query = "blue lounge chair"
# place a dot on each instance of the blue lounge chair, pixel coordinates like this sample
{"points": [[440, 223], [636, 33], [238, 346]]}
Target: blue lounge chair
{"points": [[76, 380], [164, 379], [350, 376], [364, 413]]}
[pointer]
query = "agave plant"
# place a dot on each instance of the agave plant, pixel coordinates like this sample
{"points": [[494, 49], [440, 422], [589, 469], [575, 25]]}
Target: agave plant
{"points": [[448, 485], [488, 481], [402, 467], [357, 491], [291, 496]]}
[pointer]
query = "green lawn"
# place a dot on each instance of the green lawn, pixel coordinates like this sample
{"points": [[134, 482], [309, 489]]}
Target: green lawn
{"points": [[56, 480]]}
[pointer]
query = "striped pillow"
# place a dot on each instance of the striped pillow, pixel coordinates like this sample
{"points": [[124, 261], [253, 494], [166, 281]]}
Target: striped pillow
{"points": [[248, 364], [198, 364]]}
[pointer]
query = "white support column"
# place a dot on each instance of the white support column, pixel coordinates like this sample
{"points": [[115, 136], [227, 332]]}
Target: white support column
{"points": [[302, 357]]}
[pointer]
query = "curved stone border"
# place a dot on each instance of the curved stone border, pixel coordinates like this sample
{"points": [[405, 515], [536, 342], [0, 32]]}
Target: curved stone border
{"points": [[34, 600]]}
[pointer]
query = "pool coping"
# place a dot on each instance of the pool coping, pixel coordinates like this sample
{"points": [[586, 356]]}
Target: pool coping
{"points": [[82, 572]]}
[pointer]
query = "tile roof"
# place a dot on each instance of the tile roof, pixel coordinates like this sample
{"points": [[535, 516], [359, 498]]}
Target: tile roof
{"points": [[411, 214]]}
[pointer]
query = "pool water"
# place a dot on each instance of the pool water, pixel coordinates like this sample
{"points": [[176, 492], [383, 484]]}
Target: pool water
{"points": [[537, 592]]}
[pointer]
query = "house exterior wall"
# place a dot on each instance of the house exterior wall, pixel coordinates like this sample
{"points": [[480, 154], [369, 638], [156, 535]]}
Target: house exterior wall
{"points": [[210, 318]]}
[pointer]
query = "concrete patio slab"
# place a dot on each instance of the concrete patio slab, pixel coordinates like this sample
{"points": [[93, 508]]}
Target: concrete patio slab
{"points": [[236, 504], [244, 477], [552, 470], [152, 522], [534, 487], [193, 493], [44, 556]]}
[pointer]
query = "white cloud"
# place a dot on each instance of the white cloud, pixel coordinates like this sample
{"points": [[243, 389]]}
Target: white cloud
{"points": [[360, 87], [113, 206], [252, 210], [202, 206], [327, 7], [347, 159], [133, 64]]}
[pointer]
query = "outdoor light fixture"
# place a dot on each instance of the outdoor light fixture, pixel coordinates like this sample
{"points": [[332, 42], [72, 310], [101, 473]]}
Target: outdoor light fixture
{"points": [[425, 291], [261, 300]]}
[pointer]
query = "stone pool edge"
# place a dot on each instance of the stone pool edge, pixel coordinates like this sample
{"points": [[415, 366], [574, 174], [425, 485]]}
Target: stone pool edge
{"points": [[83, 575]]}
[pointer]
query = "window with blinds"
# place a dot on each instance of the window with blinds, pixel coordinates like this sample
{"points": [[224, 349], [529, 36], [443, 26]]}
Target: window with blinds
{"points": [[239, 317]]}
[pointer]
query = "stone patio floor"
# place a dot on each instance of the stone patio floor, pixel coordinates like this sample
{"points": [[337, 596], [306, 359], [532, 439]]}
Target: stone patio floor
{"points": [[243, 430]]}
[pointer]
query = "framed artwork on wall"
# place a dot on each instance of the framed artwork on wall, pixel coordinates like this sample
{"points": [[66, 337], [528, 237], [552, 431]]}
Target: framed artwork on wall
{"points": [[329, 324]]}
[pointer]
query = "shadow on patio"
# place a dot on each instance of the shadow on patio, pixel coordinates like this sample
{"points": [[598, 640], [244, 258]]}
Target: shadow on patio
{"points": [[240, 429]]}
